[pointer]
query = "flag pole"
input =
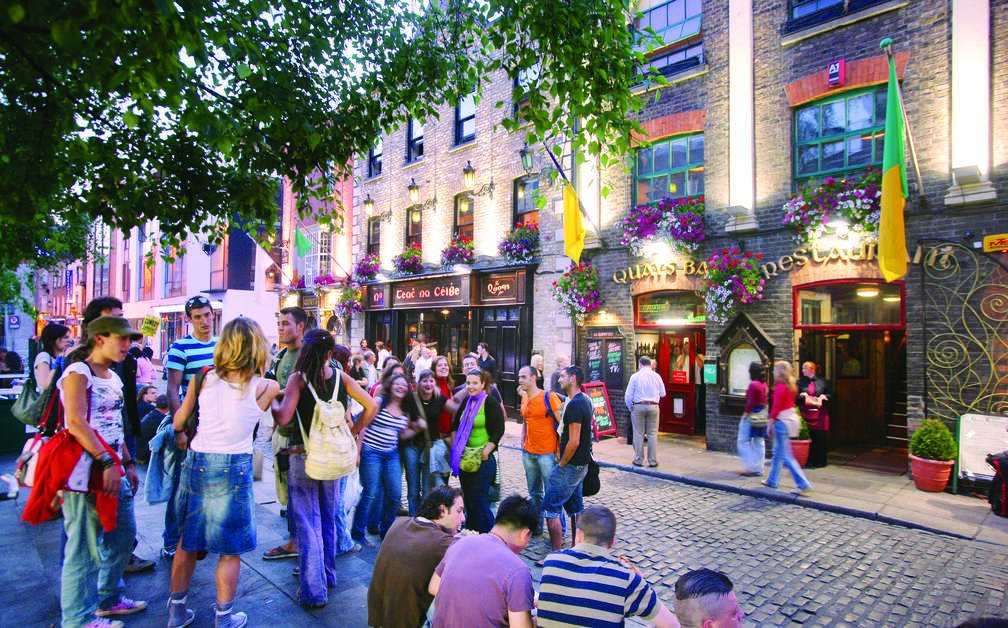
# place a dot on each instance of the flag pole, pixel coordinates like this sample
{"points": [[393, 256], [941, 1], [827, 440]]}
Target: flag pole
{"points": [[886, 45]]}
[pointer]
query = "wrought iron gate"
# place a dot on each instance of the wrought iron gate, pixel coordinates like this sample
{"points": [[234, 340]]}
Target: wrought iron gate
{"points": [[965, 325]]}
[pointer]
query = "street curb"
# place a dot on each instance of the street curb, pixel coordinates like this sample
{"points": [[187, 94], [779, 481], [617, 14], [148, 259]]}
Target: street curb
{"points": [[774, 495]]}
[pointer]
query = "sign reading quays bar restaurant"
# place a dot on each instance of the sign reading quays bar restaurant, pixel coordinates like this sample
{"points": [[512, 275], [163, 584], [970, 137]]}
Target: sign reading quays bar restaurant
{"points": [[435, 292]]}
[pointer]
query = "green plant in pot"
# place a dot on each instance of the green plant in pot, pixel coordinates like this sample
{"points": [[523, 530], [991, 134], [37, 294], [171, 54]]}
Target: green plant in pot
{"points": [[800, 444], [933, 451]]}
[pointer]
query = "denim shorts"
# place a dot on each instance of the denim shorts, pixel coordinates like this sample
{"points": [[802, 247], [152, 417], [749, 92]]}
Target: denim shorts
{"points": [[563, 485], [214, 504]]}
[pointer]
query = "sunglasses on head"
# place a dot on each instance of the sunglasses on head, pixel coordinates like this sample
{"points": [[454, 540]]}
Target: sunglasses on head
{"points": [[197, 301]]}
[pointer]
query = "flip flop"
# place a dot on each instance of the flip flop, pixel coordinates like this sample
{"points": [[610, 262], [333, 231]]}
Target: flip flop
{"points": [[279, 552]]}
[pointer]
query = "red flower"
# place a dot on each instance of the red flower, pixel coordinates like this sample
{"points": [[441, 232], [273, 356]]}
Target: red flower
{"points": [[759, 256]]}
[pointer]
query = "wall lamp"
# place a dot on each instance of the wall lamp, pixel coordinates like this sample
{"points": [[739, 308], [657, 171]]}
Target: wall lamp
{"points": [[469, 180], [368, 204], [526, 158], [414, 196]]}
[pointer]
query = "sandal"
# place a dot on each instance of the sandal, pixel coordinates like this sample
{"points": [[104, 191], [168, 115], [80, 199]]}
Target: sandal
{"points": [[279, 552]]}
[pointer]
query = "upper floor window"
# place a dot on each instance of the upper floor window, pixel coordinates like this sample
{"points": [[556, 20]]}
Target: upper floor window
{"points": [[174, 284], [839, 135], [672, 167], [414, 225], [464, 221], [318, 259], [465, 119], [374, 236], [374, 162], [526, 211], [219, 266], [678, 24], [806, 13], [102, 248], [524, 84], [414, 140]]}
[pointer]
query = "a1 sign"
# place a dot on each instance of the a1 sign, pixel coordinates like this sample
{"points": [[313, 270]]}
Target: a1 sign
{"points": [[836, 75], [14, 321]]}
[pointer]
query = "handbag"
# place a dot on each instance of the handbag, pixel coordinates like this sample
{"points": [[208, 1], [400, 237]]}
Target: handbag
{"points": [[27, 462], [31, 405], [591, 484], [192, 421], [759, 418], [789, 416], [472, 458]]}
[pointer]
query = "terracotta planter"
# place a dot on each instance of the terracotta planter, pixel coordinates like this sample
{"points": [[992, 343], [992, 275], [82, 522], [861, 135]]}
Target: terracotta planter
{"points": [[930, 475], [800, 449]]}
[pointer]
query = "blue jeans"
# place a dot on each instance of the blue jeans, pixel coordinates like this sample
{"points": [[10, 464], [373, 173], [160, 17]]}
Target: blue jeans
{"points": [[93, 560], [344, 542], [782, 455], [415, 489], [379, 470], [751, 446], [312, 505], [538, 468], [476, 495], [563, 491], [172, 530]]}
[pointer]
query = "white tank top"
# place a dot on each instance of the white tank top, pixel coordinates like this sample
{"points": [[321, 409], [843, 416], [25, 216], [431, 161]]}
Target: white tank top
{"points": [[227, 415]]}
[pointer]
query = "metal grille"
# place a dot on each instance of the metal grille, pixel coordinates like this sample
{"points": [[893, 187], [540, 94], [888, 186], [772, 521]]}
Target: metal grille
{"points": [[965, 323]]}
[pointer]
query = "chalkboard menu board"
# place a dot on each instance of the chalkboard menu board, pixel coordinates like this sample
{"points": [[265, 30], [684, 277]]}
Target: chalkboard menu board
{"points": [[604, 360], [603, 423]]}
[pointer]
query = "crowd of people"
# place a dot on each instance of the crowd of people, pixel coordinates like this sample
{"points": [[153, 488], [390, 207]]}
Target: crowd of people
{"points": [[409, 418]]}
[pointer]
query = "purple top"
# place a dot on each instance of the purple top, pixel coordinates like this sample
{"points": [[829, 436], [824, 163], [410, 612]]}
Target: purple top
{"points": [[755, 395], [481, 580]]}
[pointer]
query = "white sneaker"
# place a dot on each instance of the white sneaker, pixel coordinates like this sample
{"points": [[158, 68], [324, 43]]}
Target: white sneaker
{"points": [[101, 622]]}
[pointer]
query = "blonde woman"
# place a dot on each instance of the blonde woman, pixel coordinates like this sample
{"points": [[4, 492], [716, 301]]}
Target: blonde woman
{"points": [[214, 504], [783, 412]]}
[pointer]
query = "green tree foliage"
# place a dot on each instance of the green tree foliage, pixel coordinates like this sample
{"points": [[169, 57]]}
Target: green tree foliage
{"points": [[189, 111]]}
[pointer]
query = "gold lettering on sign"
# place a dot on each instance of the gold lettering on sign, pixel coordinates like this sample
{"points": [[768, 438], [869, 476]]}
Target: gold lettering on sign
{"points": [[497, 286], [619, 276]]}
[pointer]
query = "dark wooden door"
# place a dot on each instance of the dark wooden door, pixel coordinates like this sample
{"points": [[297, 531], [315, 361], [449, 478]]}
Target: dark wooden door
{"points": [[502, 329]]}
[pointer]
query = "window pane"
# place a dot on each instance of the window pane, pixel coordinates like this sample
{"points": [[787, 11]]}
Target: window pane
{"points": [[467, 106], [696, 182], [659, 187], [676, 11], [677, 185], [880, 105], [859, 150], [693, 7], [834, 118], [808, 123], [679, 153], [808, 159], [644, 162], [657, 19], [879, 146], [661, 157], [643, 191], [469, 128], [690, 28], [696, 146], [859, 112], [418, 129], [832, 155]]}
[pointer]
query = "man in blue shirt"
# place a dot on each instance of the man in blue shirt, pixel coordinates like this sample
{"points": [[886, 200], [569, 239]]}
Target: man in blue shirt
{"points": [[187, 356]]}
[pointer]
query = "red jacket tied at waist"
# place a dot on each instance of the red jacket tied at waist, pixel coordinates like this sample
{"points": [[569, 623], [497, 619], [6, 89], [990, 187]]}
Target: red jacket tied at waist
{"points": [[57, 459]]}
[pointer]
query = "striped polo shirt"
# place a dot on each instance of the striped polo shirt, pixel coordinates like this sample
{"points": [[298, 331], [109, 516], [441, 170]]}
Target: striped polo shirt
{"points": [[383, 432], [585, 586], [190, 355]]}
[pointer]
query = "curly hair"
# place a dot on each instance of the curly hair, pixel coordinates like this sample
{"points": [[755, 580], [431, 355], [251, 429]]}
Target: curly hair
{"points": [[315, 350]]}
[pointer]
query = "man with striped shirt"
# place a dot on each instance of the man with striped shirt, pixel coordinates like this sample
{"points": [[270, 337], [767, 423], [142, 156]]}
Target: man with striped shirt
{"points": [[586, 586], [187, 356]]}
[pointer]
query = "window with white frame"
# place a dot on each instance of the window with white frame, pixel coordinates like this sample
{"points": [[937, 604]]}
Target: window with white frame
{"points": [[318, 260]]}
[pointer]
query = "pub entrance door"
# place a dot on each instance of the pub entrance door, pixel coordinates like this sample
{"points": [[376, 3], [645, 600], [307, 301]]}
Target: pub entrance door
{"points": [[677, 365], [507, 332]]}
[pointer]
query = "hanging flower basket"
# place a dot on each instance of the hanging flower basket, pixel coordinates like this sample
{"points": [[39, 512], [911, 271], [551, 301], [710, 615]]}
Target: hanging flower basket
{"points": [[367, 268], [458, 251], [520, 244], [324, 281], [349, 302], [409, 262], [298, 285], [577, 291], [733, 278], [837, 207], [678, 221]]}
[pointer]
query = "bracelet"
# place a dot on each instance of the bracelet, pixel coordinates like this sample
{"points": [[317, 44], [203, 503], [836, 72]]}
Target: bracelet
{"points": [[105, 460], [177, 432]]}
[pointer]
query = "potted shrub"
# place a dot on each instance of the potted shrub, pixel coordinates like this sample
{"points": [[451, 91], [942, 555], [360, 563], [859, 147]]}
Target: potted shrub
{"points": [[577, 291], [800, 444], [933, 451], [520, 244], [409, 262]]}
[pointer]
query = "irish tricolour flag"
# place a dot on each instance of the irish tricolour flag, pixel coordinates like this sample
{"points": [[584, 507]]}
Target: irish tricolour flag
{"points": [[892, 253]]}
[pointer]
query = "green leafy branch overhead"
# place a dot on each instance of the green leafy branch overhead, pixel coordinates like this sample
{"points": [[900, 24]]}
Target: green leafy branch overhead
{"points": [[189, 112]]}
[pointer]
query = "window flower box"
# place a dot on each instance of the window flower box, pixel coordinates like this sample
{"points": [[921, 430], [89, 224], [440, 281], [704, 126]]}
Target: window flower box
{"points": [[458, 251], [837, 207], [520, 244], [678, 221], [367, 268], [409, 262]]}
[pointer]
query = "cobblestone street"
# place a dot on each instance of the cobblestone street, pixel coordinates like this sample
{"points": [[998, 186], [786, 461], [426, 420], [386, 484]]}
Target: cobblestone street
{"points": [[790, 564]]}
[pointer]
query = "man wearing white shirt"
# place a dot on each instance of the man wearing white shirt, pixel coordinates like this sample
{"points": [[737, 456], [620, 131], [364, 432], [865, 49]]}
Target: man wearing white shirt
{"points": [[643, 392]]}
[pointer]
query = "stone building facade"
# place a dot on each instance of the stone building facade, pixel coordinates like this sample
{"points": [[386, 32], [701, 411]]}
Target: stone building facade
{"points": [[746, 85]]}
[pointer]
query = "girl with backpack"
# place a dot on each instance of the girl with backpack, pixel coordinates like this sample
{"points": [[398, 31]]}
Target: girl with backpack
{"points": [[380, 470], [313, 503], [215, 505]]}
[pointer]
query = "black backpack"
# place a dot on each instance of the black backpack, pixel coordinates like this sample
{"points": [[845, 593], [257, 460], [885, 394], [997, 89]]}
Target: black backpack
{"points": [[997, 495]]}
